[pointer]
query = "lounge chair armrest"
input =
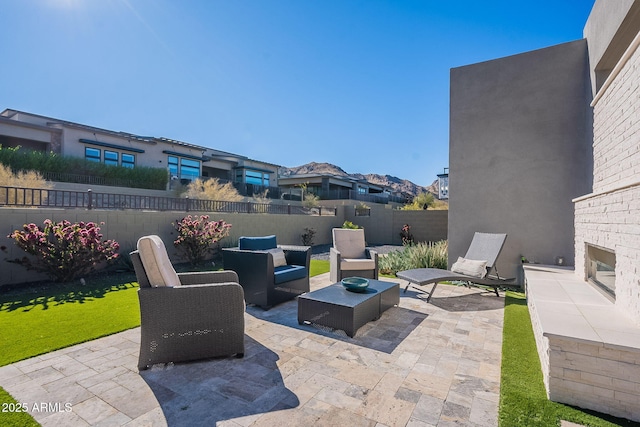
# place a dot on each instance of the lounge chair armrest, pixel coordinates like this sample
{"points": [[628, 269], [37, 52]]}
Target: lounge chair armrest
{"points": [[201, 278], [371, 254], [174, 304], [297, 255]]}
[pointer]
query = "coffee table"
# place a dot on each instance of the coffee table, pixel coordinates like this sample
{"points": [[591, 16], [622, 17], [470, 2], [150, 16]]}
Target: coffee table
{"points": [[338, 308]]}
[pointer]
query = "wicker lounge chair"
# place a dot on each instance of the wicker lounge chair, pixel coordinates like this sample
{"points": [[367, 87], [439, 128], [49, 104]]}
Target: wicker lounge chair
{"points": [[485, 247], [349, 257], [186, 316], [269, 273]]}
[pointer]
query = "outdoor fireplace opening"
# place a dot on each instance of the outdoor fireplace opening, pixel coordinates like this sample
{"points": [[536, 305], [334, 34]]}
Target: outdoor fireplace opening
{"points": [[601, 269]]}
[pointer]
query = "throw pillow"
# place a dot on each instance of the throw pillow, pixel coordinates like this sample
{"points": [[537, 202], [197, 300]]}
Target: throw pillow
{"points": [[470, 267], [279, 259]]}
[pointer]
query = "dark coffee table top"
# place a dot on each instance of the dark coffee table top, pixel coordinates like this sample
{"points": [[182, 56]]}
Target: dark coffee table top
{"points": [[337, 294]]}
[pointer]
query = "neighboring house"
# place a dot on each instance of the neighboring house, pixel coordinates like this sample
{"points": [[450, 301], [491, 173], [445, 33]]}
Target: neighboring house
{"points": [[545, 146], [183, 161], [336, 187]]}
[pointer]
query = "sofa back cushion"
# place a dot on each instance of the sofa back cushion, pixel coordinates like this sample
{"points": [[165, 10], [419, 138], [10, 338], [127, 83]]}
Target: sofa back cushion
{"points": [[155, 260], [257, 243], [350, 243]]}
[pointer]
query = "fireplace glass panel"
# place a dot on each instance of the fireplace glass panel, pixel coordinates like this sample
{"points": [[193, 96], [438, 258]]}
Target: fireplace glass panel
{"points": [[601, 269]]}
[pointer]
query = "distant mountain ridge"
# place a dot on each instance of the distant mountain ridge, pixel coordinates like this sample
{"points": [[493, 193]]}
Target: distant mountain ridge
{"points": [[397, 184]]}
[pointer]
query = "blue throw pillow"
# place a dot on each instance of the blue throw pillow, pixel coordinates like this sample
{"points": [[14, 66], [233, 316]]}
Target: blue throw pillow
{"points": [[257, 243]]}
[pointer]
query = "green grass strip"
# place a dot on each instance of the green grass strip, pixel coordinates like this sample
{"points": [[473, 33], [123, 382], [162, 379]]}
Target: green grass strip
{"points": [[523, 399]]}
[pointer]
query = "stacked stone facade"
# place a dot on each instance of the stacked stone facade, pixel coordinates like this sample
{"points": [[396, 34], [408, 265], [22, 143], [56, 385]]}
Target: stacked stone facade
{"points": [[610, 216]]}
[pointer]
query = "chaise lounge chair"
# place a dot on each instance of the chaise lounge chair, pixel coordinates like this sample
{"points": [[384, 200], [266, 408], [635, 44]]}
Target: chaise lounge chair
{"points": [[476, 268]]}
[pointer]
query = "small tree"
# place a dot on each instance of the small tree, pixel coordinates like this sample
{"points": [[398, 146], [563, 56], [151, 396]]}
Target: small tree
{"points": [[63, 250], [212, 189], [421, 201], [197, 236]]}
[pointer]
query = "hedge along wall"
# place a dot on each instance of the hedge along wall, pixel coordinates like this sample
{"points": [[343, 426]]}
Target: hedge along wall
{"points": [[126, 226]]}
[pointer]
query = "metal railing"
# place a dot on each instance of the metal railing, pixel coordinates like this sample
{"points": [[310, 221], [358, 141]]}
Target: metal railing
{"points": [[45, 198]]}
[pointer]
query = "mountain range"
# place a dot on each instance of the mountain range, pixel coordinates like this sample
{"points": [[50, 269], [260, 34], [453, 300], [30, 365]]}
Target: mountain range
{"points": [[397, 184]]}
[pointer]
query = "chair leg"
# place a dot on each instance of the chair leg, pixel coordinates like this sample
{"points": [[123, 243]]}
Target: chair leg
{"points": [[432, 291]]}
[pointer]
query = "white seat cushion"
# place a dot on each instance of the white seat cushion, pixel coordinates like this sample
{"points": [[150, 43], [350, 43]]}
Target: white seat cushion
{"points": [[155, 260], [350, 243], [357, 264], [470, 267]]}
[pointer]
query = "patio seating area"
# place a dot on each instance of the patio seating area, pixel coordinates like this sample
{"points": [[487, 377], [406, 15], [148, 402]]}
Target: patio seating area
{"points": [[420, 364]]}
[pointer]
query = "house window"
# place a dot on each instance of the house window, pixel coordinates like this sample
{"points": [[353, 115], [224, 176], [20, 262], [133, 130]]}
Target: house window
{"points": [[128, 161], [257, 178], [183, 168], [92, 154], [111, 158]]}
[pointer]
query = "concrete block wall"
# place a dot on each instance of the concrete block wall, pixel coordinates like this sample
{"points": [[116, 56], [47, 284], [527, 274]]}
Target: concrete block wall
{"points": [[126, 226], [610, 216]]}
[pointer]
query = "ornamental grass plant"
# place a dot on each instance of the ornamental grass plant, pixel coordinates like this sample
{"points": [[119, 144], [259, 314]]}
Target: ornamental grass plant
{"points": [[420, 255]]}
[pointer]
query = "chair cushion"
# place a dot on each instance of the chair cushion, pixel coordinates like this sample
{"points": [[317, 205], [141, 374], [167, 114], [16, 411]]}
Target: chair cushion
{"points": [[350, 243], [357, 264], [278, 257], [470, 267], [257, 243], [289, 272], [155, 260]]}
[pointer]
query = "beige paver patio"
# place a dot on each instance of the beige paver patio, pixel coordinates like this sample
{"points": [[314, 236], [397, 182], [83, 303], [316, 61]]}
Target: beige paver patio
{"points": [[420, 364]]}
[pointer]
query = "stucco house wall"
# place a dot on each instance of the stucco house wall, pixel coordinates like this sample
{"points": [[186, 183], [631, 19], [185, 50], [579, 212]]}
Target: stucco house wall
{"points": [[520, 152]]}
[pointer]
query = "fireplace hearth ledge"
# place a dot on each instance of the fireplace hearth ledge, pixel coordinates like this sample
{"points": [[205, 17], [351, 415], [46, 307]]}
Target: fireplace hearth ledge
{"points": [[588, 349]]}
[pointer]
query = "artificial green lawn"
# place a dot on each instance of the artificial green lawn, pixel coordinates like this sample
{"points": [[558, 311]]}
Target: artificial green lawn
{"points": [[523, 399]]}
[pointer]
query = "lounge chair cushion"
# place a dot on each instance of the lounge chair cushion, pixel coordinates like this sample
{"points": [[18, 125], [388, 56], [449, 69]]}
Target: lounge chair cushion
{"points": [[357, 264], [350, 243], [470, 267], [257, 243], [278, 257], [156, 262], [289, 272]]}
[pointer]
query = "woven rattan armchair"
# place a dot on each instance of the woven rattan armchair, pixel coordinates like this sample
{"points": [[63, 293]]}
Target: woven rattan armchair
{"points": [[186, 316], [349, 257], [269, 273]]}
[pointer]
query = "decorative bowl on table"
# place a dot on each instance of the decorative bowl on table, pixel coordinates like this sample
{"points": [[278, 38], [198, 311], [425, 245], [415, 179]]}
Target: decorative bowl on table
{"points": [[355, 284]]}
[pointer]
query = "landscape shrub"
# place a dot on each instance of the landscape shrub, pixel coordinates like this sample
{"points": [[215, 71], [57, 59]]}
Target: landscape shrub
{"points": [[24, 179], [307, 236], [63, 250], [405, 234], [212, 189], [70, 168], [197, 237], [420, 255], [351, 226]]}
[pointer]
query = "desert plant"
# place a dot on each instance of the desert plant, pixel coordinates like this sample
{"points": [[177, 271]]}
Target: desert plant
{"points": [[350, 225], [63, 250], [24, 179], [197, 236], [212, 189], [307, 236], [405, 234], [421, 255], [421, 201]]}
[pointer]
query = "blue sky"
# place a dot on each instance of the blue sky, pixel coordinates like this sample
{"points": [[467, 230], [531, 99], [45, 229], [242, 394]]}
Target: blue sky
{"points": [[363, 84]]}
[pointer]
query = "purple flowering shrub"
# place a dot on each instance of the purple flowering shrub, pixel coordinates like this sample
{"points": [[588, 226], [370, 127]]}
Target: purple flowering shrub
{"points": [[63, 250], [197, 235]]}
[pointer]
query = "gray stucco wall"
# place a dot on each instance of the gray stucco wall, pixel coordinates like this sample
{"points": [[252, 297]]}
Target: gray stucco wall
{"points": [[520, 140]]}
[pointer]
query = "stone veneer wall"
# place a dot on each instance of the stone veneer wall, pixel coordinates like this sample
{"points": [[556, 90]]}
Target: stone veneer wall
{"points": [[610, 216]]}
